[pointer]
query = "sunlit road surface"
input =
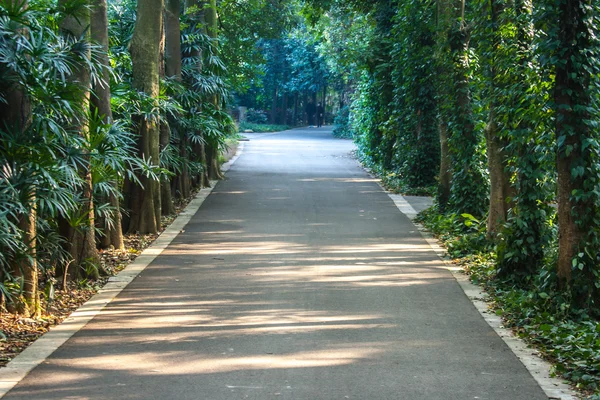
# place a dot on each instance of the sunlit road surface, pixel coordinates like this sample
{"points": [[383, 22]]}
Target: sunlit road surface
{"points": [[297, 279]]}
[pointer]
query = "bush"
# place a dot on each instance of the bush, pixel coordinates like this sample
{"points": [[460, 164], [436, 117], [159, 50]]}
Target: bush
{"points": [[256, 116], [261, 127], [341, 123]]}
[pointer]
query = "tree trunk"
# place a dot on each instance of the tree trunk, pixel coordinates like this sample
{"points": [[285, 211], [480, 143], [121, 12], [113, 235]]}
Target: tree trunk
{"points": [[445, 174], [172, 39], [16, 115], [468, 189], [204, 178], [26, 268], [324, 103], [212, 145], [500, 187], [306, 117], [501, 191], [82, 238], [181, 185], [166, 201], [445, 177], [201, 150], [284, 109], [145, 54], [295, 118], [274, 105], [577, 203], [113, 236]]}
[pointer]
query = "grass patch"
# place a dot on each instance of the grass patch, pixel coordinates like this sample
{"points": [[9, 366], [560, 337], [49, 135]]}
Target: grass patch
{"points": [[537, 311], [261, 127]]}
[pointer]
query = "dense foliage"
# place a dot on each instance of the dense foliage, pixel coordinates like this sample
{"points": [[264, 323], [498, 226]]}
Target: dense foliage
{"points": [[293, 78]]}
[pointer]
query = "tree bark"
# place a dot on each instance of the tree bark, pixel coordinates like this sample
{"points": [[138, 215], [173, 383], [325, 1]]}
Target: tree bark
{"points": [[166, 200], [500, 186], [497, 210], [100, 102], [181, 185], [145, 53], [295, 118], [82, 239], [16, 115], [200, 149], [212, 145], [445, 173], [172, 39], [26, 268], [572, 101], [445, 177]]}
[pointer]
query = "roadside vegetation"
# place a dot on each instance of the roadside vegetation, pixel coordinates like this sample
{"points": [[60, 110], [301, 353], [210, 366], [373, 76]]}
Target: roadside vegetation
{"points": [[254, 127]]}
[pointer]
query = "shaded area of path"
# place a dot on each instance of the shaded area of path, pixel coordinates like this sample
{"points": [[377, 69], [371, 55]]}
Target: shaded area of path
{"points": [[297, 279]]}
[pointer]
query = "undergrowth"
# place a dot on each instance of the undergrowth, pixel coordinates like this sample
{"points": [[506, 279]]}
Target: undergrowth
{"points": [[536, 311], [395, 182], [244, 126]]}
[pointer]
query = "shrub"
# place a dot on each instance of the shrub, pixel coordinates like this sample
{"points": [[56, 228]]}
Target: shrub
{"points": [[256, 116], [341, 123]]}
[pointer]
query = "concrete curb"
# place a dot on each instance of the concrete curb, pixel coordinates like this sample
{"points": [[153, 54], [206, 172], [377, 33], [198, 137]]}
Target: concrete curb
{"points": [[539, 369], [42, 348]]}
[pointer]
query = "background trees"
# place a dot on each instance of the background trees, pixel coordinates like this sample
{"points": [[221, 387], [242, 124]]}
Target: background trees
{"points": [[293, 75]]}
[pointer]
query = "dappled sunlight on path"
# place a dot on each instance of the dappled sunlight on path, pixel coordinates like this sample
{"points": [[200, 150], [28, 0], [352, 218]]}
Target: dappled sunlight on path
{"points": [[297, 279]]}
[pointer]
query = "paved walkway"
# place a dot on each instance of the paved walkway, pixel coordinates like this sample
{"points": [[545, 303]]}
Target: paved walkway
{"points": [[297, 279]]}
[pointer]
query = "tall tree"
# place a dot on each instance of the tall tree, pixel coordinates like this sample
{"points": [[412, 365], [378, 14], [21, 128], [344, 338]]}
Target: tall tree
{"points": [[500, 187], [443, 17], [15, 116], [80, 230], [100, 105], [519, 119], [576, 64], [414, 111], [468, 192], [195, 12], [212, 142], [173, 39], [144, 200], [171, 60]]}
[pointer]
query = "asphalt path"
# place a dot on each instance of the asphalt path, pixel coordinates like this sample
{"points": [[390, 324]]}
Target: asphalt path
{"points": [[298, 278]]}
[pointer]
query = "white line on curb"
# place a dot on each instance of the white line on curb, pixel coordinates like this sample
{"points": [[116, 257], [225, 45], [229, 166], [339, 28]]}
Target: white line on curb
{"points": [[539, 369], [42, 348]]}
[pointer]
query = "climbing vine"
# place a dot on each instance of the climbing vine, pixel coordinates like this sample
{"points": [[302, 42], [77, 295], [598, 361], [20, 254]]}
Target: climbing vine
{"points": [[414, 112]]}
